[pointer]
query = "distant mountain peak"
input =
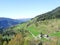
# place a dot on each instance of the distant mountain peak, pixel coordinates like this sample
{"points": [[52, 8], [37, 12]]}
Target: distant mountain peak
{"points": [[8, 22]]}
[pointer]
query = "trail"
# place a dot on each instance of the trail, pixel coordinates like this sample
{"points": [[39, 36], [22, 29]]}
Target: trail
{"points": [[32, 34], [35, 37], [38, 36]]}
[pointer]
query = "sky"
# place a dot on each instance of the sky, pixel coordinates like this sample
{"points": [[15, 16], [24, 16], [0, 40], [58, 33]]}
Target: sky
{"points": [[18, 9]]}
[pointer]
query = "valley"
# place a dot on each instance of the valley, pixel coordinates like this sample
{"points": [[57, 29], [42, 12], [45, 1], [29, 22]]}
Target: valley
{"points": [[43, 29]]}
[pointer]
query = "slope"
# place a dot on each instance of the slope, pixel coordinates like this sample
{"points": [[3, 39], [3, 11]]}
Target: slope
{"points": [[47, 24]]}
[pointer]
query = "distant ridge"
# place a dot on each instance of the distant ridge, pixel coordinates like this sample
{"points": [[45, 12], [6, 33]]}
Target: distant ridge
{"points": [[7, 22], [49, 15]]}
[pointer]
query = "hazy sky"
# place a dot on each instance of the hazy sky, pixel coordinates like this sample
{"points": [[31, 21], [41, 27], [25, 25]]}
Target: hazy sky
{"points": [[26, 8]]}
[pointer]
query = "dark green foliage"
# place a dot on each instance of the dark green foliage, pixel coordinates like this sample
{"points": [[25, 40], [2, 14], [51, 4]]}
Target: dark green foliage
{"points": [[49, 15], [9, 33], [40, 43], [1, 40]]}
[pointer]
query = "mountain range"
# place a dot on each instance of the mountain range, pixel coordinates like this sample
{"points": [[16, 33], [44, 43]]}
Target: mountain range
{"points": [[8, 22]]}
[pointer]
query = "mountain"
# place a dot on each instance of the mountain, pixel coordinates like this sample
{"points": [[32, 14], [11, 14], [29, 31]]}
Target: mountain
{"points": [[49, 15], [7, 22], [47, 22], [43, 29]]}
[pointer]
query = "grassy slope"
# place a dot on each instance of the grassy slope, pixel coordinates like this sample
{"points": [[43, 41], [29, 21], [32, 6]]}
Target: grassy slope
{"points": [[48, 23], [46, 27]]}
